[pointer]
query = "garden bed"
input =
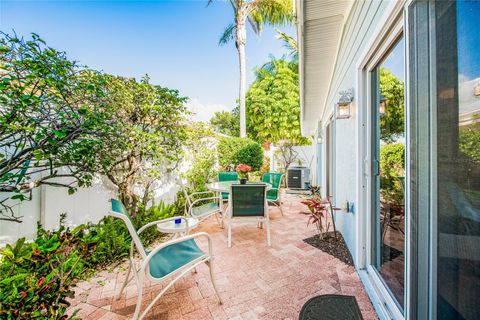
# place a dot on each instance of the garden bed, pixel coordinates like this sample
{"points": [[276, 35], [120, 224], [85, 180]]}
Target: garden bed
{"points": [[332, 245]]}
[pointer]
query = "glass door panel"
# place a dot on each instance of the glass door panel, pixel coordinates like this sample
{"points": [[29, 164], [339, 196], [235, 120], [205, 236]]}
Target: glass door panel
{"points": [[388, 155], [458, 159]]}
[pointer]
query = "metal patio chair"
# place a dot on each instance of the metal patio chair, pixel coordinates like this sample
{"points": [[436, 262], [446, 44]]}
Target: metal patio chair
{"points": [[227, 176], [248, 203], [204, 207], [174, 258], [274, 196]]}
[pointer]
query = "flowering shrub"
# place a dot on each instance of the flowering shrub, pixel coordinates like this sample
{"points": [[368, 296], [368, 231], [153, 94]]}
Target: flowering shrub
{"points": [[243, 170]]}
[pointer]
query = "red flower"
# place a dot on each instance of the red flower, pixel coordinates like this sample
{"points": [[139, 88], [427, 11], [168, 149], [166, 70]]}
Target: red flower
{"points": [[243, 168]]}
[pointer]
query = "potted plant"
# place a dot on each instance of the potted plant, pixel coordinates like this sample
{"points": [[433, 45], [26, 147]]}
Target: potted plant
{"points": [[243, 170]]}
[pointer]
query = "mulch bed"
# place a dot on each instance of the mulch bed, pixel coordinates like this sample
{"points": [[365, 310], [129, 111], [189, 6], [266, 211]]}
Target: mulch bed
{"points": [[331, 245]]}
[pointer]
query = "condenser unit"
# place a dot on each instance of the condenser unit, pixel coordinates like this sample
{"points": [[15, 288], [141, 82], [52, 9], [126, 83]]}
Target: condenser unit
{"points": [[298, 178]]}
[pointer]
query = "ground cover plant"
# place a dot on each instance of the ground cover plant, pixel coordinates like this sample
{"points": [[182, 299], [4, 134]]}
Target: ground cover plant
{"points": [[38, 277]]}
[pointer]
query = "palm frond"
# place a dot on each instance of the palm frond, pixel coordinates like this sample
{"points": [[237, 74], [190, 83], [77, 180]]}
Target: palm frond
{"points": [[227, 35], [289, 43], [256, 21], [274, 12]]}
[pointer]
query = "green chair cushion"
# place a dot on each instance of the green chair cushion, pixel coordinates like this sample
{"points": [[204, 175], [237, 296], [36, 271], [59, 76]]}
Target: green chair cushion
{"points": [[227, 176], [173, 257], [225, 195], [272, 195], [205, 209]]}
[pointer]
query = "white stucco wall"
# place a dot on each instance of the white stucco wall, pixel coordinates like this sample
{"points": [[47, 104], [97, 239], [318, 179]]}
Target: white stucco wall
{"points": [[362, 20]]}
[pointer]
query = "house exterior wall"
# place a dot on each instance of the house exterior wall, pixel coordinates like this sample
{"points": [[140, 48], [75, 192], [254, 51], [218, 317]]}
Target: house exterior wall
{"points": [[362, 20]]}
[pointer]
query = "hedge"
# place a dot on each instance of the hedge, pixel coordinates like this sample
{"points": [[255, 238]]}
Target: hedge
{"points": [[240, 150]]}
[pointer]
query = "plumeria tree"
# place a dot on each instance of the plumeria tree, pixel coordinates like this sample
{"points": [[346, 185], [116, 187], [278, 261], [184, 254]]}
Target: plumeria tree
{"points": [[256, 13], [52, 120], [149, 125]]}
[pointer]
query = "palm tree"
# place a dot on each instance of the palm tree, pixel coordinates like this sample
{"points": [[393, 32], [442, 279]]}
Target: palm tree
{"points": [[256, 12], [290, 44]]}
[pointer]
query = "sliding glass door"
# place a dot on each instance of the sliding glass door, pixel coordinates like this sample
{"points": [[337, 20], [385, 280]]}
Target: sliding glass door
{"points": [[388, 171], [444, 90]]}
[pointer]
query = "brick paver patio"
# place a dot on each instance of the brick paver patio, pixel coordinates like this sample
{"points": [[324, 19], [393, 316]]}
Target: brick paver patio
{"points": [[255, 281]]}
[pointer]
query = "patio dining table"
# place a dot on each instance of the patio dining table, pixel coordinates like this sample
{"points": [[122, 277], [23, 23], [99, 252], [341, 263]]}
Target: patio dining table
{"points": [[224, 186]]}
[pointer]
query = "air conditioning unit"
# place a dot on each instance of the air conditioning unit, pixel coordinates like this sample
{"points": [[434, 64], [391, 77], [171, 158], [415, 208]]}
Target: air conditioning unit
{"points": [[298, 178]]}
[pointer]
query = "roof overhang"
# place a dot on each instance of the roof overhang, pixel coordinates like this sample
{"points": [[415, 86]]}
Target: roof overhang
{"points": [[319, 30]]}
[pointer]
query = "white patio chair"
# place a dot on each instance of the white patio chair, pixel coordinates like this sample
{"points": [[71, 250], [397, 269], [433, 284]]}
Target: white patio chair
{"points": [[203, 208], [248, 202], [174, 258]]}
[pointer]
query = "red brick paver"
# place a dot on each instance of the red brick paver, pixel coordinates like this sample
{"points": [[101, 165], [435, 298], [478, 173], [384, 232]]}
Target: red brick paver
{"points": [[255, 281]]}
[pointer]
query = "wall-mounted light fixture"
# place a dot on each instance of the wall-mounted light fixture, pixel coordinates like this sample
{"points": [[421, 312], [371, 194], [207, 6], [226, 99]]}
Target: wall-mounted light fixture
{"points": [[319, 133], [319, 137], [343, 106], [382, 106]]}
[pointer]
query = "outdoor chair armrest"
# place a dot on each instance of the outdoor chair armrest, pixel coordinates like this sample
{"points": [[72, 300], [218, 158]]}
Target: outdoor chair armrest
{"points": [[203, 199], [202, 192], [153, 223], [177, 240]]}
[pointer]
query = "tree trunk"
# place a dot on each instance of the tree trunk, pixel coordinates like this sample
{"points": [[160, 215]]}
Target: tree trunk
{"points": [[241, 39]]}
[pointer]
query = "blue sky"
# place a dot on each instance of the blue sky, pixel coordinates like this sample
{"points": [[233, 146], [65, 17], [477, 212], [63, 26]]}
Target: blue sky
{"points": [[468, 39], [175, 42]]}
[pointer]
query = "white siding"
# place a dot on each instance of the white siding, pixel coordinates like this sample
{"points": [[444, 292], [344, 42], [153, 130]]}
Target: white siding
{"points": [[362, 20]]}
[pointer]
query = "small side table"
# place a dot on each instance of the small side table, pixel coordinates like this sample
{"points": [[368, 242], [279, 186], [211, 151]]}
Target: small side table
{"points": [[177, 229]]}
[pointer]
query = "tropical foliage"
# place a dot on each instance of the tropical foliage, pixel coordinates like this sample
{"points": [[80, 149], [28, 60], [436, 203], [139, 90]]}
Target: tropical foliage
{"points": [[226, 122], [273, 103], [61, 120], [392, 166], [392, 124], [470, 140], [149, 123], [52, 120], [290, 44], [257, 13], [36, 278], [318, 210], [240, 150], [200, 142]]}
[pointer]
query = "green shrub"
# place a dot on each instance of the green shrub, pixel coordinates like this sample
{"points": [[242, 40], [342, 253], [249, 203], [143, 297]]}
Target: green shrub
{"points": [[110, 237], [240, 150], [392, 166], [36, 278]]}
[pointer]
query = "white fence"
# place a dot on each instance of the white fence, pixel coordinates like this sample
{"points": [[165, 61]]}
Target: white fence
{"points": [[86, 205]]}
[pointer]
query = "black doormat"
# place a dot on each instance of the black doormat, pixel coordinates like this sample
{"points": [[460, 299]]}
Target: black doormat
{"points": [[331, 307]]}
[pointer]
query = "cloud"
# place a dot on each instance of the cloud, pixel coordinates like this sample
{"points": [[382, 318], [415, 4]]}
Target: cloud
{"points": [[203, 112], [463, 78]]}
